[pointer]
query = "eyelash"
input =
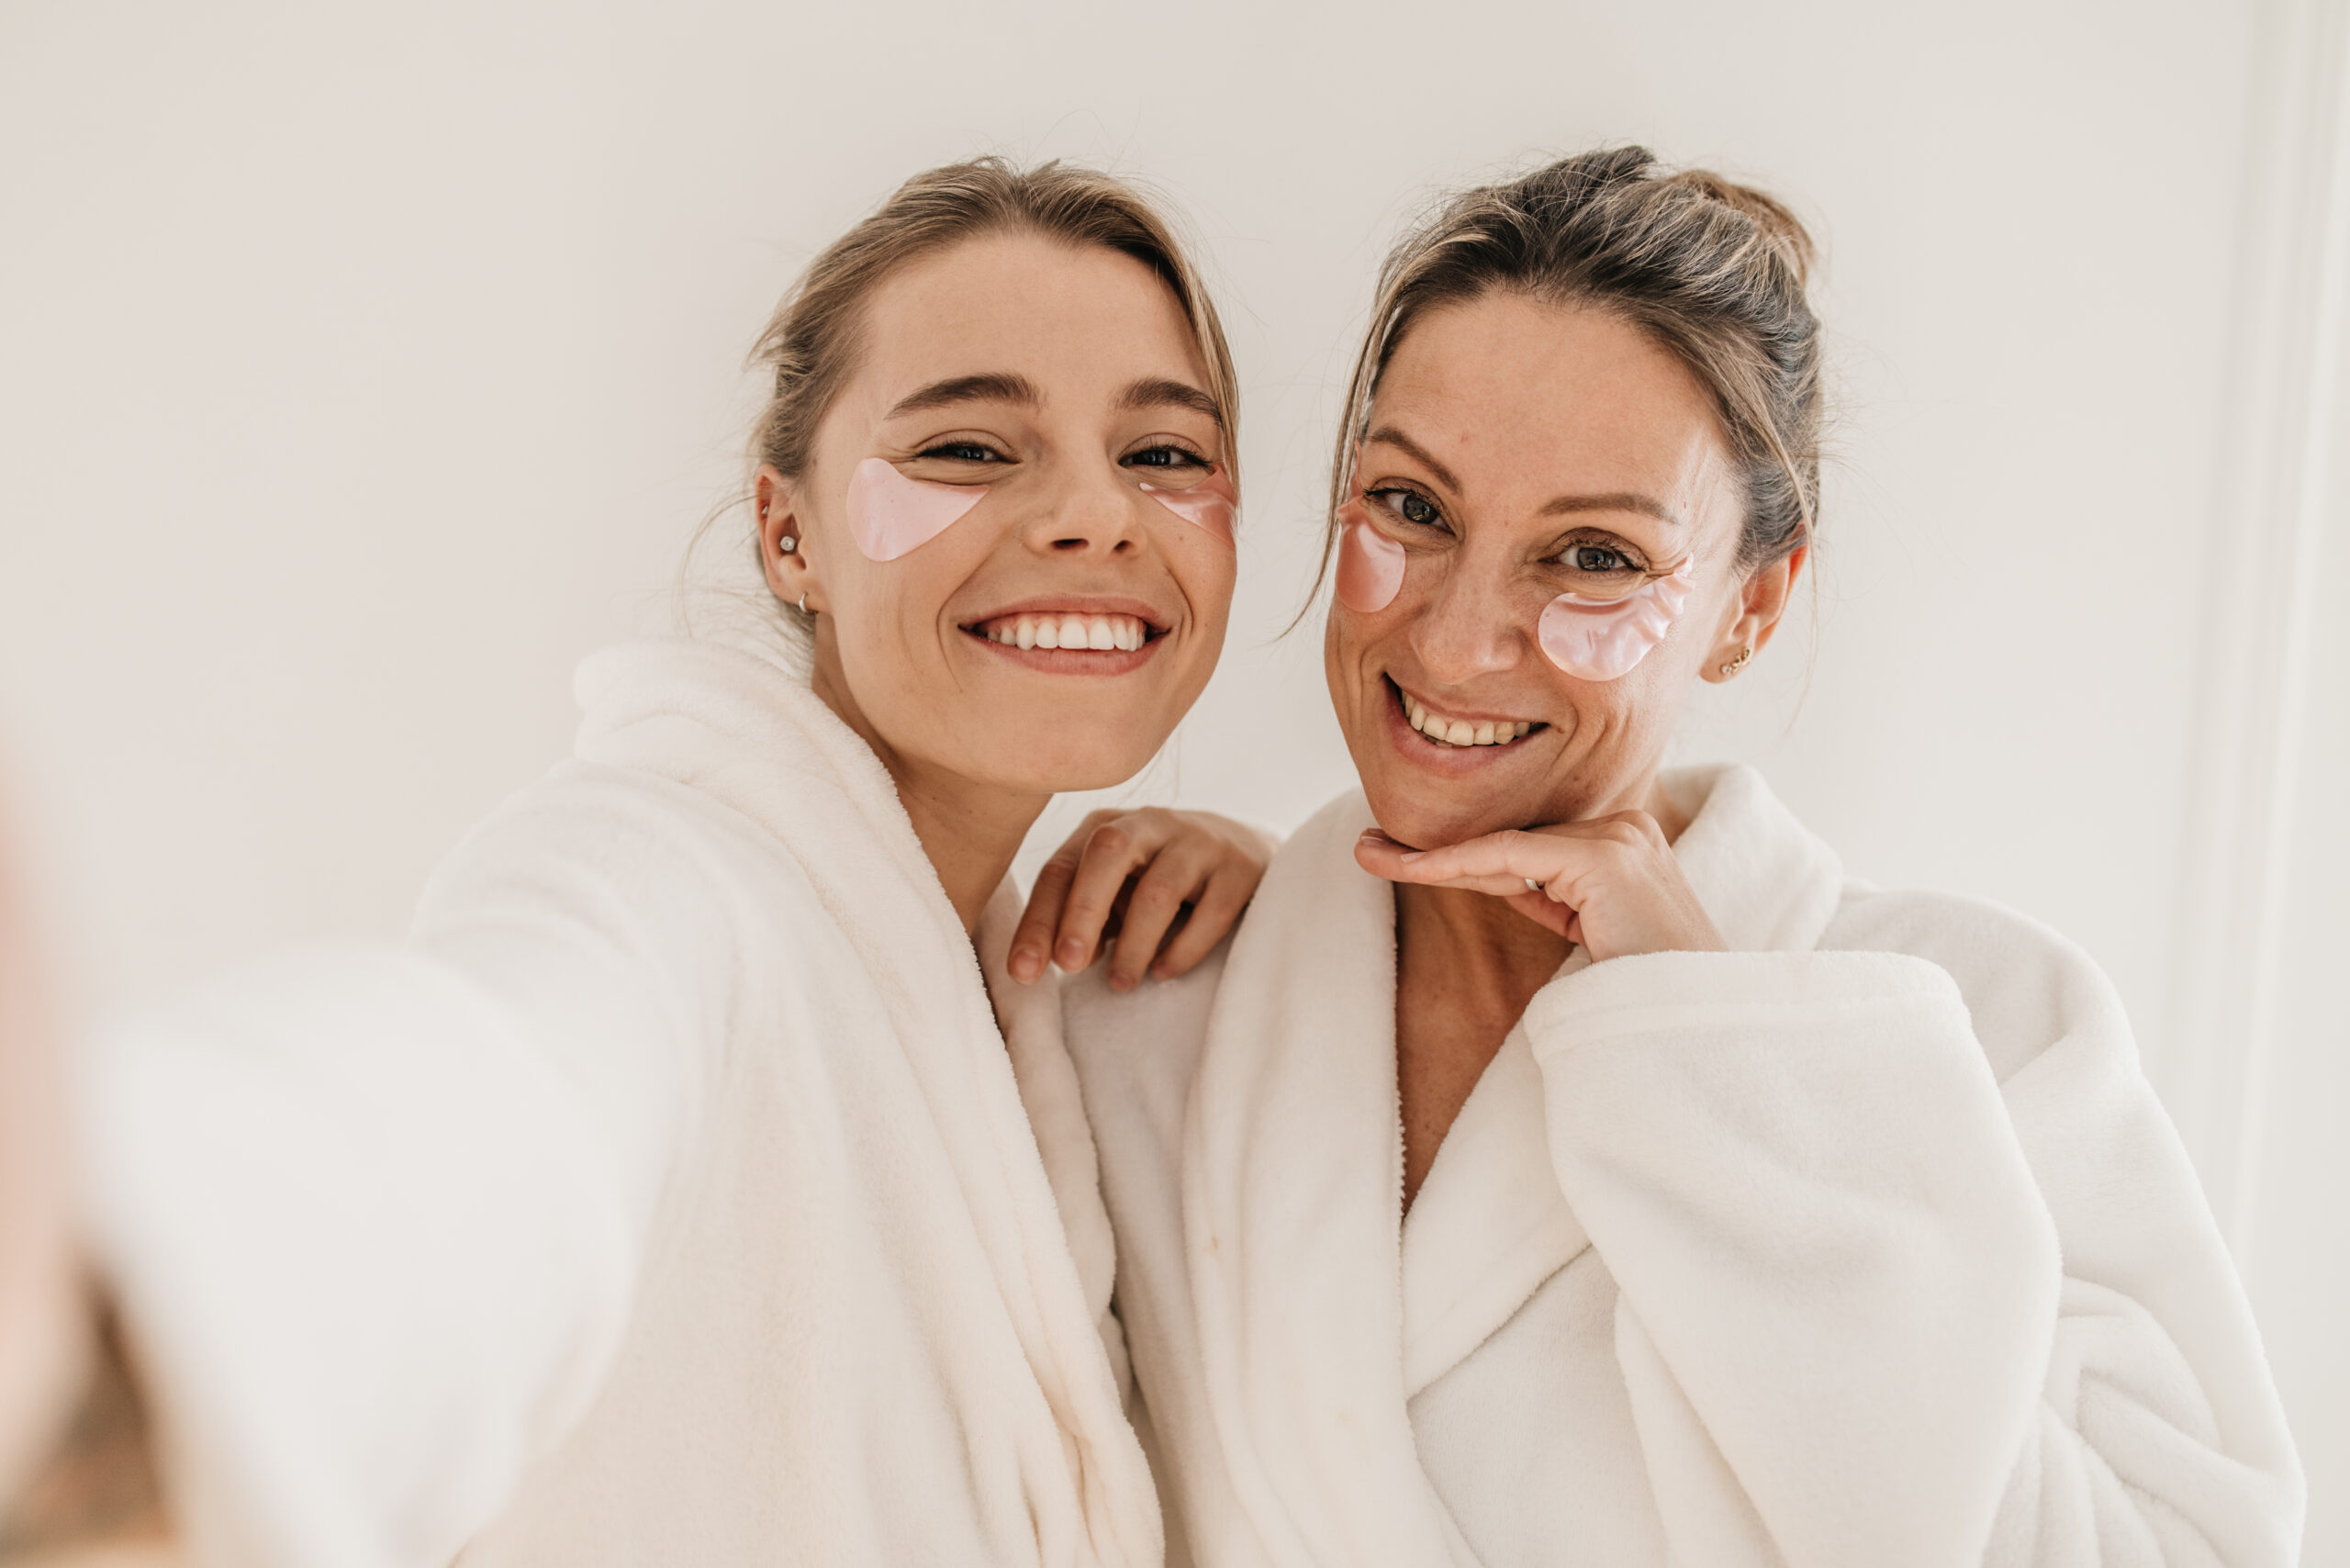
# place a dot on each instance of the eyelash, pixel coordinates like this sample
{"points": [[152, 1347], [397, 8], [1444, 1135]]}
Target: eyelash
{"points": [[954, 451], [1395, 510], [1183, 453]]}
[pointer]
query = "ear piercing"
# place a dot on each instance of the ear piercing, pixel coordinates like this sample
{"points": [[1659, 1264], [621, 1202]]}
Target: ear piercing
{"points": [[803, 604], [787, 544], [1739, 663]]}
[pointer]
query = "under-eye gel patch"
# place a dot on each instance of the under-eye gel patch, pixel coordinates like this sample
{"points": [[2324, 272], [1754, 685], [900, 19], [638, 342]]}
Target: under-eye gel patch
{"points": [[1211, 504], [1371, 564], [890, 515], [1594, 639]]}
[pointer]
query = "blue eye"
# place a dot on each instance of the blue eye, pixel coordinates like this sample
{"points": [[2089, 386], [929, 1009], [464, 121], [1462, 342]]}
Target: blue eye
{"points": [[1412, 506]]}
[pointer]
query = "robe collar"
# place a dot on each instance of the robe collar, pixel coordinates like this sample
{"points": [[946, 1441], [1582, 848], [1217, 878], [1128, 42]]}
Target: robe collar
{"points": [[1320, 1312]]}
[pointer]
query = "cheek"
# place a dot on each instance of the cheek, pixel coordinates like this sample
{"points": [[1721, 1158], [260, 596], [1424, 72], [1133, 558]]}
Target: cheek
{"points": [[1212, 505], [1605, 642], [890, 515], [1371, 568]]}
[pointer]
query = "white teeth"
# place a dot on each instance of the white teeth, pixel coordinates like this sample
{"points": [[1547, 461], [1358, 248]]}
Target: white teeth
{"points": [[1462, 732], [1104, 633]]}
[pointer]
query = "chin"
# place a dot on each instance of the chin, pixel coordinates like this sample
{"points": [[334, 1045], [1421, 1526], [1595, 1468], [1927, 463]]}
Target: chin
{"points": [[1410, 818], [1062, 769]]}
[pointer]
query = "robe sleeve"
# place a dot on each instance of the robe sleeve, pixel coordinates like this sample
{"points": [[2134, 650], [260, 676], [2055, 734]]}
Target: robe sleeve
{"points": [[1877, 1305], [375, 1213]]}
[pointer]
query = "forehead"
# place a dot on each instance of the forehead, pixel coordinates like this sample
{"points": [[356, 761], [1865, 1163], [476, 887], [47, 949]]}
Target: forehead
{"points": [[1075, 319], [1519, 399]]}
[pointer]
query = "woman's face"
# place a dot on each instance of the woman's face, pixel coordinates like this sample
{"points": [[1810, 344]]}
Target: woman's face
{"points": [[1027, 451], [1517, 451]]}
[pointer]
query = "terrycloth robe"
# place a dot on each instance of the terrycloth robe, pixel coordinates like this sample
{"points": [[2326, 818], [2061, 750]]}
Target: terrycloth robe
{"points": [[1866, 1243], [668, 1197]]}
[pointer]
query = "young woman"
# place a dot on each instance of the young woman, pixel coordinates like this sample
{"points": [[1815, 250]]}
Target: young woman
{"points": [[1566, 1162], [678, 1192]]}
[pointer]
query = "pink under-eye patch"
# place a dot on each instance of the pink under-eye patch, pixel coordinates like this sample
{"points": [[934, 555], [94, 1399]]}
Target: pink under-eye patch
{"points": [[1371, 564], [890, 515], [1211, 504], [1604, 639]]}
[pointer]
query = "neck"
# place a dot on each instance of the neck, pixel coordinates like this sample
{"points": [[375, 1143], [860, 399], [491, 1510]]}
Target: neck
{"points": [[1492, 958], [1483, 956], [969, 830]]}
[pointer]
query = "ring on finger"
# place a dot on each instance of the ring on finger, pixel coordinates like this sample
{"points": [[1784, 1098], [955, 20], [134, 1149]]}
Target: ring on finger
{"points": [[1531, 885]]}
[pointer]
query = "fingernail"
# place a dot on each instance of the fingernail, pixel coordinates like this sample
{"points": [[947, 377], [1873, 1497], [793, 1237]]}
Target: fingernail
{"points": [[1120, 982], [1413, 854], [1026, 964], [1071, 953]]}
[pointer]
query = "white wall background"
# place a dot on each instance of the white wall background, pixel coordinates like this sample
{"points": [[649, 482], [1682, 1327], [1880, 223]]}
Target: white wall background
{"points": [[361, 369]]}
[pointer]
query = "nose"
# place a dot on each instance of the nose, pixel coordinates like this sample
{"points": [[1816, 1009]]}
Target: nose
{"points": [[1089, 510], [1467, 627]]}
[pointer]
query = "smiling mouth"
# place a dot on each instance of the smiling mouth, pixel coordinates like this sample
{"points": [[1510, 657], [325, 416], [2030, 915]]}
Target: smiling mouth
{"points": [[1452, 734], [1068, 631]]}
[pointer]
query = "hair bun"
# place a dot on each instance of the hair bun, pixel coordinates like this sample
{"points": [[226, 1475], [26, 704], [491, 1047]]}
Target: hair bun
{"points": [[1780, 228]]}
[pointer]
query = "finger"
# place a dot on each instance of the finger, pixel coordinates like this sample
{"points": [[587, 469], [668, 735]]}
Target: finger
{"points": [[1176, 877], [1543, 911], [1111, 855], [1214, 911], [1032, 939], [1496, 856]]}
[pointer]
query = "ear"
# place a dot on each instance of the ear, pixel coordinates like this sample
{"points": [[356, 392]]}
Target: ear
{"points": [[1762, 602], [789, 572]]}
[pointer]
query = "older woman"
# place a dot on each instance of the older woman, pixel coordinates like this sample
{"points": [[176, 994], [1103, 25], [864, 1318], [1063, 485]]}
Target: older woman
{"points": [[1567, 1161]]}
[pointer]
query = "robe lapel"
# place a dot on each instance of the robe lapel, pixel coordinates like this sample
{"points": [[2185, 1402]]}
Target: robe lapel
{"points": [[1292, 1184], [1490, 1224]]}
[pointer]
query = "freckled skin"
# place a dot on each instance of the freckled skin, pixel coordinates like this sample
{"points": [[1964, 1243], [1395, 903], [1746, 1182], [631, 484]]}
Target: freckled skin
{"points": [[1522, 403]]}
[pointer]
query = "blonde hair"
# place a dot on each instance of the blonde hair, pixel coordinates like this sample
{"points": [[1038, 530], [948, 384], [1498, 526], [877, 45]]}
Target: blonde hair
{"points": [[810, 345], [1714, 271]]}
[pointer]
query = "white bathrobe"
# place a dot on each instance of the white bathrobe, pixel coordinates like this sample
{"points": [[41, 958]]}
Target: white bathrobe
{"points": [[668, 1197], [1865, 1244]]}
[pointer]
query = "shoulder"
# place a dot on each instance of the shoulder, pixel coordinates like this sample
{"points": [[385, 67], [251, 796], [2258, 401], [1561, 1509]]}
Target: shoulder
{"points": [[2026, 986], [1153, 1031], [1136, 1053]]}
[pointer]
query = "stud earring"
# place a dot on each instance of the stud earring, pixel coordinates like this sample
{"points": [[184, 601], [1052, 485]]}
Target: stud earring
{"points": [[1739, 663], [787, 544]]}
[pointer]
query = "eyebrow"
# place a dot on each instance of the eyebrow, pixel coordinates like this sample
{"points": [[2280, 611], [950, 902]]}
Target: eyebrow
{"points": [[1557, 506], [1157, 392], [993, 386]]}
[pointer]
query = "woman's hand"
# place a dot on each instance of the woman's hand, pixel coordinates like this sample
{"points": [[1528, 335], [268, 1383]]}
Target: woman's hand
{"points": [[1611, 883], [1167, 885]]}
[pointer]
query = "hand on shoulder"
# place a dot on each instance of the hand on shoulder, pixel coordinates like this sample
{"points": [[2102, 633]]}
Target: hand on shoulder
{"points": [[1160, 887]]}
